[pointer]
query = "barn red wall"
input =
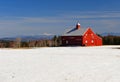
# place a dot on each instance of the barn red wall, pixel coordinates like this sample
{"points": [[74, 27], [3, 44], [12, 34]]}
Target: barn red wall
{"points": [[91, 39], [71, 40]]}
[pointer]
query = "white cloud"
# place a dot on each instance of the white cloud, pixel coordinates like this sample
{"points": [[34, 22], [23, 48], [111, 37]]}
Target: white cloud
{"points": [[94, 15]]}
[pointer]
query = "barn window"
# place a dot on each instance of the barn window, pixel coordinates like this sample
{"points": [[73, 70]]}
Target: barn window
{"points": [[66, 42], [92, 41], [86, 41]]}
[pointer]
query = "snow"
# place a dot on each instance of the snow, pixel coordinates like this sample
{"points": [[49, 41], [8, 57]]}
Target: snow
{"points": [[78, 24], [61, 64]]}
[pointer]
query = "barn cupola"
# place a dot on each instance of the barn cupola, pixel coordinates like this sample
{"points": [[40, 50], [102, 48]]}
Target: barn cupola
{"points": [[78, 26]]}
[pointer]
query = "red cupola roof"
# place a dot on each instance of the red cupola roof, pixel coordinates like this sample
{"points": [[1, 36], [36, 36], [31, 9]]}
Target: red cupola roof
{"points": [[78, 26]]}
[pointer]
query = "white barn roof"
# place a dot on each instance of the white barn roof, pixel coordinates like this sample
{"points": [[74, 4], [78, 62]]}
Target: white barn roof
{"points": [[74, 32]]}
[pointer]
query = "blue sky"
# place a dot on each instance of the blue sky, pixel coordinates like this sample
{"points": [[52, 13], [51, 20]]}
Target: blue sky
{"points": [[35, 17]]}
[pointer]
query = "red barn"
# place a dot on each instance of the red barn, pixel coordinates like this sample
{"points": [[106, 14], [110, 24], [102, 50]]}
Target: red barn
{"points": [[80, 37]]}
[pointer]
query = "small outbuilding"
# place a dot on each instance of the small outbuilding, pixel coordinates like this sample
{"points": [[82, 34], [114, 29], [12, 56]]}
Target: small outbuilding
{"points": [[80, 37]]}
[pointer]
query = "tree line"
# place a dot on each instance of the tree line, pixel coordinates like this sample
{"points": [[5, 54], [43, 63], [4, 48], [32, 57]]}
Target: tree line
{"points": [[18, 43], [111, 40], [54, 42]]}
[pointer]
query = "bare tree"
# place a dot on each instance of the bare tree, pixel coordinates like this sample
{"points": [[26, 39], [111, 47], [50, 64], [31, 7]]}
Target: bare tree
{"points": [[17, 43]]}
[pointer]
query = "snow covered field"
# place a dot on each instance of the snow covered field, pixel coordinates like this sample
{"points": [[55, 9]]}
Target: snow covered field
{"points": [[62, 64]]}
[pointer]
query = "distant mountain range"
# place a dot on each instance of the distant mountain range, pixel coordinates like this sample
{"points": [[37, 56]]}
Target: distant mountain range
{"points": [[113, 34], [27, 38]]}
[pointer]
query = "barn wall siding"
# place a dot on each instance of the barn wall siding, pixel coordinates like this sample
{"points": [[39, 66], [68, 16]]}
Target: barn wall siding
{"points": [[71, 40]]}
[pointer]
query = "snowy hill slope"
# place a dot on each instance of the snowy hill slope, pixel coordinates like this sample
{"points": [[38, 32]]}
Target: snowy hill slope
{"points": [[61, 64]]}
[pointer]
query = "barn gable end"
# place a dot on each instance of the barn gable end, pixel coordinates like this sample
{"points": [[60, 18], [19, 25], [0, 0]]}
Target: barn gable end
{"points": [[91, 39]]}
